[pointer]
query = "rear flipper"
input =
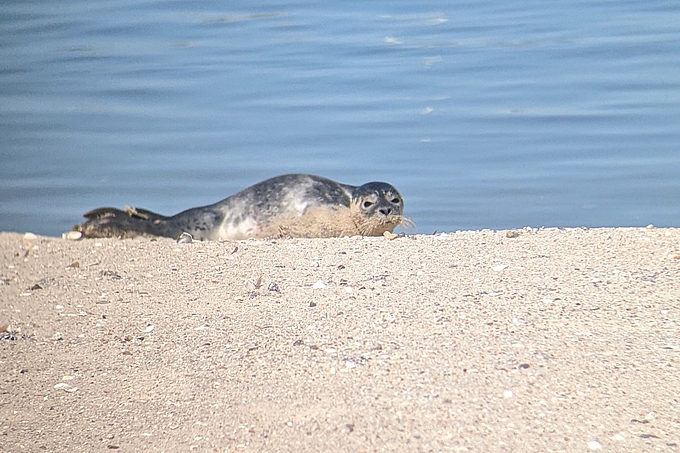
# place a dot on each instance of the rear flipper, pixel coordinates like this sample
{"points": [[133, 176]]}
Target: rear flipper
{"points": [[112, 222]]}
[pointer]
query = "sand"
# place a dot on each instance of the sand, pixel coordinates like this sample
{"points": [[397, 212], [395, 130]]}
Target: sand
{"points": [[553, 340]]}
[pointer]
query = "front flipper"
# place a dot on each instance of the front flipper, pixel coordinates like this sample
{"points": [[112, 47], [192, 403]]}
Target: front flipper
{"points": [[112, 222]]}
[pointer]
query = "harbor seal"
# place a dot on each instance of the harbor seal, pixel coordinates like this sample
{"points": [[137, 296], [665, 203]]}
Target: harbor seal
{"points": [[294, 205]]}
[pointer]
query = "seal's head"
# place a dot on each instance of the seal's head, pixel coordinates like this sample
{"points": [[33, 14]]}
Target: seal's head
{"points": [[377, 207]]}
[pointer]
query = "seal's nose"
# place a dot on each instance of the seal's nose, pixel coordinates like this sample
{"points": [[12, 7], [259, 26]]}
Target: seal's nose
{"points": [[385, 211]]}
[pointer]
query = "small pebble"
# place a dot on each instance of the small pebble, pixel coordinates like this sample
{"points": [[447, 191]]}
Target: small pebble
{"points": [[273, 287], [30, 236], [185, 238], [594, 445], [499, 267], [507, 394], [72, 235], [319, 285], [390, 236]]}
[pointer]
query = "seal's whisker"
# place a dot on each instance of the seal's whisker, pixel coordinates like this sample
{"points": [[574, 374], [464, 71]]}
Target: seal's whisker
{"points": [[406, 222]]}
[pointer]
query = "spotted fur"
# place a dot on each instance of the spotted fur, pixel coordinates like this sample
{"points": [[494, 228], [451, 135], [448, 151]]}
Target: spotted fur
{"points": [[290, 205]]}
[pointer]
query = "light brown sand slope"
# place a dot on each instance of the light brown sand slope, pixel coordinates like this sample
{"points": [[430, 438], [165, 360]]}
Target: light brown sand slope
{"points": [[550, 341]]}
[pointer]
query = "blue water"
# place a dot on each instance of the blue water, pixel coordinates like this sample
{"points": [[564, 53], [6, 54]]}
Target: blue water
{"points": [[483, 114]]}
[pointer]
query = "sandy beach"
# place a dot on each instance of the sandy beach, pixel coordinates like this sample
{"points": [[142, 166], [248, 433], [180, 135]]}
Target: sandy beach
{"points": [[542, 340]]}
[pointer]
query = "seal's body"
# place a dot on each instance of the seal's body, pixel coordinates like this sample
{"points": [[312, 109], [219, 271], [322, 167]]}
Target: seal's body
{"points": [[288, 205]]}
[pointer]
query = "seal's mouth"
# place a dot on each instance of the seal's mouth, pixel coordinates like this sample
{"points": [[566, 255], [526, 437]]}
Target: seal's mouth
{"points": [[377, 225]]}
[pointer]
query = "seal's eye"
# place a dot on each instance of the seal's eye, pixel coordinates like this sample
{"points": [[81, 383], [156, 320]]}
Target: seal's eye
{"points": [[368, 204], [395, 200]]}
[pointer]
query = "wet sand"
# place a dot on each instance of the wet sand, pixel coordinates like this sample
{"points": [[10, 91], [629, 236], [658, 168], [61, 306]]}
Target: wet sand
{"points": [[553, 340]]}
